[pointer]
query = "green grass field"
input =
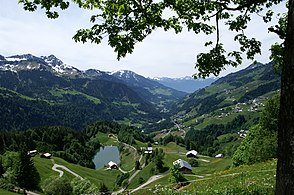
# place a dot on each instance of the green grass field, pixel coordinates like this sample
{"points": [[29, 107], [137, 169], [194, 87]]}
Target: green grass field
{"points": [[108, 177], [255, 179], [44, 167], [207, 166], [128, 158], [105, 140], [61, 92], [172, 147], [5, 192], [146, 173]]}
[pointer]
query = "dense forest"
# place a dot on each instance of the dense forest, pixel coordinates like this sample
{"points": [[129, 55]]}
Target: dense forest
{"points": [[77, 147]]}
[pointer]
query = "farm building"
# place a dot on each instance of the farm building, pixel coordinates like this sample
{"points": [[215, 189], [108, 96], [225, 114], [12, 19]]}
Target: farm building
{"points": [[219, 156], [112, 165], [32, 152], [46, 155], [192, 154], [184, 166]]}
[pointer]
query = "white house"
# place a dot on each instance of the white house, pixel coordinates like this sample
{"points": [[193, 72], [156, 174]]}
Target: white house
{"points": [[32, 152], [192, 154], [219, 156], [184, 166], [147, 150], [112, 165], [46, 155]]}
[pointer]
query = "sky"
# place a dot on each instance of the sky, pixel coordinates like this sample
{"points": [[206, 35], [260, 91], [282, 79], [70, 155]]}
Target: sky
{"points": [[161, 54]]}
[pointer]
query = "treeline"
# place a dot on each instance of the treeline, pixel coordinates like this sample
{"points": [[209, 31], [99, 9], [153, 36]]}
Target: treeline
{"points": [[205, 140], [77, 147], [71, 145]]}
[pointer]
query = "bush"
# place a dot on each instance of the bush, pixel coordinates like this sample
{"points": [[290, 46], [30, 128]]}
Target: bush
{"points": [[261, 142], [83, 186], [57, 186], [193, 162], [121, 178], [141, 180], [103, 189]]}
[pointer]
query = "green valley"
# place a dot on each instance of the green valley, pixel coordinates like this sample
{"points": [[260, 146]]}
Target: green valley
{"points": [[229, 128]]}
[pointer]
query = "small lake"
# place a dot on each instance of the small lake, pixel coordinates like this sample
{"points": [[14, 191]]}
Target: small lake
{"points": [[106, 154]]}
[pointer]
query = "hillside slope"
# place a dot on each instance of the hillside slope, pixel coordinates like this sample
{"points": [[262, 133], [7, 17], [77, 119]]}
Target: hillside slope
{"points": [[43, 90], [240, 87], [152, 91]]}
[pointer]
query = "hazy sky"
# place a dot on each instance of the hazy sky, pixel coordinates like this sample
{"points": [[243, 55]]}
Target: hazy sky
{"points": [[161, 54]]}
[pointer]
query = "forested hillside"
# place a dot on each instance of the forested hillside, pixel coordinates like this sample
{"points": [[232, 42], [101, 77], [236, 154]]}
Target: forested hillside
{"points": [[36, 91], [210, 119]]}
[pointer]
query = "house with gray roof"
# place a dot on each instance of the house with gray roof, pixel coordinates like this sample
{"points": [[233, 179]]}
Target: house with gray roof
{"points": [[184, 166]]}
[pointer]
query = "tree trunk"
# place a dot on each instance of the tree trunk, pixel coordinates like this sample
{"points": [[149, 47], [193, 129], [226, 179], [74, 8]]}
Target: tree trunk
{"points": [[285, 166]]}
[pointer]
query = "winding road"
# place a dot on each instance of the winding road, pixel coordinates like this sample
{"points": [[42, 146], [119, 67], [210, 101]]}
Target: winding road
{"points": [[55, 166], [150, 180]]}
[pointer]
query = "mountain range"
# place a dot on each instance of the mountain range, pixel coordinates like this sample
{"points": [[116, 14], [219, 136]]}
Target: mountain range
{"points": [[43, 90], [38, 91], [241, 93], [186, 84]]}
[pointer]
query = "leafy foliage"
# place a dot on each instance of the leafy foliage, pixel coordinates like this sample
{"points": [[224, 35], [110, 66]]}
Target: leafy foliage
{"points": [[129, 135], [261, 142], [175, 175], [193, 162], [121, 178], [74, 146], [83, 186], [59, 185], [129, 22], [103, 189], [18, 170]]}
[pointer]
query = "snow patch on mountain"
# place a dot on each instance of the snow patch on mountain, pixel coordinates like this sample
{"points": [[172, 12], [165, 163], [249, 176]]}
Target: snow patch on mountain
{"points": [[58, 66], [126, 74], [29, 62], [94, 72], [7, 67]]}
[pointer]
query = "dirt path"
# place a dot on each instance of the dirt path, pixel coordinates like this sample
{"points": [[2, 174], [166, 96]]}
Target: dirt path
{"points": [[31, 193], [203, 160], [123, 171], [138, 171], [150, 180], [55, 166]]}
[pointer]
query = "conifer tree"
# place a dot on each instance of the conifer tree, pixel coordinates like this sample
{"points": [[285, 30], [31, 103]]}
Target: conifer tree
{"points": [[27, 176]]}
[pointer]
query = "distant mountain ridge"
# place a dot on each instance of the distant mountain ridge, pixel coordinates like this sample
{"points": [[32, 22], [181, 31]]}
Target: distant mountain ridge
{"points": [[186, 84], [250, 83], [43, 90], [50, 63], [149, 89]]}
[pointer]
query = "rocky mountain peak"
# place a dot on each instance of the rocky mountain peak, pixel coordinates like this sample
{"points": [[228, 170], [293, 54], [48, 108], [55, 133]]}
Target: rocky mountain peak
{"points": [[125, 74], [52, 60], [254, 65], [94, 72]]}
